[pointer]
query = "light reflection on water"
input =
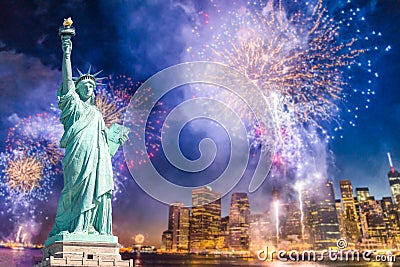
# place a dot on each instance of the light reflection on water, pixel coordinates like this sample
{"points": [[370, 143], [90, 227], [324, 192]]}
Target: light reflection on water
{"points": [[26, 258], [18, 258]]}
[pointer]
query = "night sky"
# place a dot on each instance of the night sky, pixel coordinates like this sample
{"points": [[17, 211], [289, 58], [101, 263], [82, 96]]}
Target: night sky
{"points": [[140, 38]]}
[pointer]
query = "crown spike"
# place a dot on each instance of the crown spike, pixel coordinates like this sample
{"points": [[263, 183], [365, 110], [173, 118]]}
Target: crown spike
{"points": [[80, 72], [88, 76], [97, 73]]}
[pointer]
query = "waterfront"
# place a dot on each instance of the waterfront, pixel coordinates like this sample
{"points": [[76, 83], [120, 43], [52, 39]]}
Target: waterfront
{"points": [[19, 258], [26, 258]]}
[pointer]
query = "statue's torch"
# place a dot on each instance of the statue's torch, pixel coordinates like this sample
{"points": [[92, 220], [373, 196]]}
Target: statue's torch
{"points": [[67, 29]]}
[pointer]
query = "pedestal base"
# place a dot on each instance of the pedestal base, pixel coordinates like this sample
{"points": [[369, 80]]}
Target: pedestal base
{"points": [[79, 253]]}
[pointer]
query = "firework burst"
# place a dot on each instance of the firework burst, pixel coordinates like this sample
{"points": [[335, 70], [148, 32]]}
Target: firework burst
{"points": [[110, 110], [295, 54], [112, 100], [40, 132], [32, 159], [299, 56], [24, 173]]}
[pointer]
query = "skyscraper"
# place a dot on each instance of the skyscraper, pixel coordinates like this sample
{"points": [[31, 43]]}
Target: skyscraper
{"points": [[321, 215], [391, 219], [339, 211], [206, 219], [376, 233], [239, 222], [351, 225], [349, 207], [178, 225], [327, 228], [166, 241], [261, 232], [223, 236], [362, 194], [292, 226], [394, 182]]}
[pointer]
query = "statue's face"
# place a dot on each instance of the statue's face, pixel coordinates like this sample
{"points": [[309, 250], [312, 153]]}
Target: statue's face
{"points": [[85, 89]]}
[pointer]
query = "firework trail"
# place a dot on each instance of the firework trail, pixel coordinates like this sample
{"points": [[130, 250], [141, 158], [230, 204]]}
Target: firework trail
{"points": [[276, 204], [18, 233], [23, 238], [301, 212]]}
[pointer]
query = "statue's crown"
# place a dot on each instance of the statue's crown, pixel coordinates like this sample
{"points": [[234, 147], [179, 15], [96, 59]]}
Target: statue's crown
{"points": [[88, 76]]}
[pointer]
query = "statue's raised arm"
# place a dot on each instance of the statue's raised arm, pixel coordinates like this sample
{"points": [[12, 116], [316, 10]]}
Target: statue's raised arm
{"points": [[66, 32], [67, 82]]}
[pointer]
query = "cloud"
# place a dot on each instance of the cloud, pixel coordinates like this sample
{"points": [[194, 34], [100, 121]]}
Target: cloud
{"points": [[13, 118], [149, 35], [26, 87]]}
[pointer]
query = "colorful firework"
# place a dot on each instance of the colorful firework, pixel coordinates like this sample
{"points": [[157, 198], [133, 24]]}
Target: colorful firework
{"points": [[296, 53], [32, 159], [123, 87], [154, 125], [110, 110], [40, 132], [33, 156], [26, 179], [24, 174], [112, 100], [301, 57]]}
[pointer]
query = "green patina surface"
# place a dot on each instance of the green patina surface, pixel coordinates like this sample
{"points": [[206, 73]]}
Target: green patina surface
{"points": [[73, 237], [84, 211]]}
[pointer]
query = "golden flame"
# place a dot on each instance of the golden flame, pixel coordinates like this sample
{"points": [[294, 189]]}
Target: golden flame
{"points": [[67, 22]]}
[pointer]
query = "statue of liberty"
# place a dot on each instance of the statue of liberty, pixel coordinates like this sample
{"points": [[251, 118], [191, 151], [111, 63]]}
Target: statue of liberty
{"points": [[84, 207]]}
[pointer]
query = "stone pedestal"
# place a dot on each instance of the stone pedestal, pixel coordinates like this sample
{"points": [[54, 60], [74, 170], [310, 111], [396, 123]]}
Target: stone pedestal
{"points": [[79, 253]]}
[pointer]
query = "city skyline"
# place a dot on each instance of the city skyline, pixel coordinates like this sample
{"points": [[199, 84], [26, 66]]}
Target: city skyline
{"points": [[314, 219]]}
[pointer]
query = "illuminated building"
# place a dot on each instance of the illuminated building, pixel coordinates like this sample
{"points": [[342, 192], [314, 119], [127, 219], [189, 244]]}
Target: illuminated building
{"points": [[394, 182], [339, 211], [349, 207], [239, 222], [373, 223], [292, 223], [391, 220], [223, 236], [205, 220], [321, 216], [178, 224], [362, 194], [261, 233], [351, 223], [166, 241]]}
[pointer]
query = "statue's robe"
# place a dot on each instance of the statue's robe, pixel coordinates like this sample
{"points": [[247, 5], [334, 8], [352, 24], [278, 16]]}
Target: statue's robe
{"points": [[85, 202]]}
